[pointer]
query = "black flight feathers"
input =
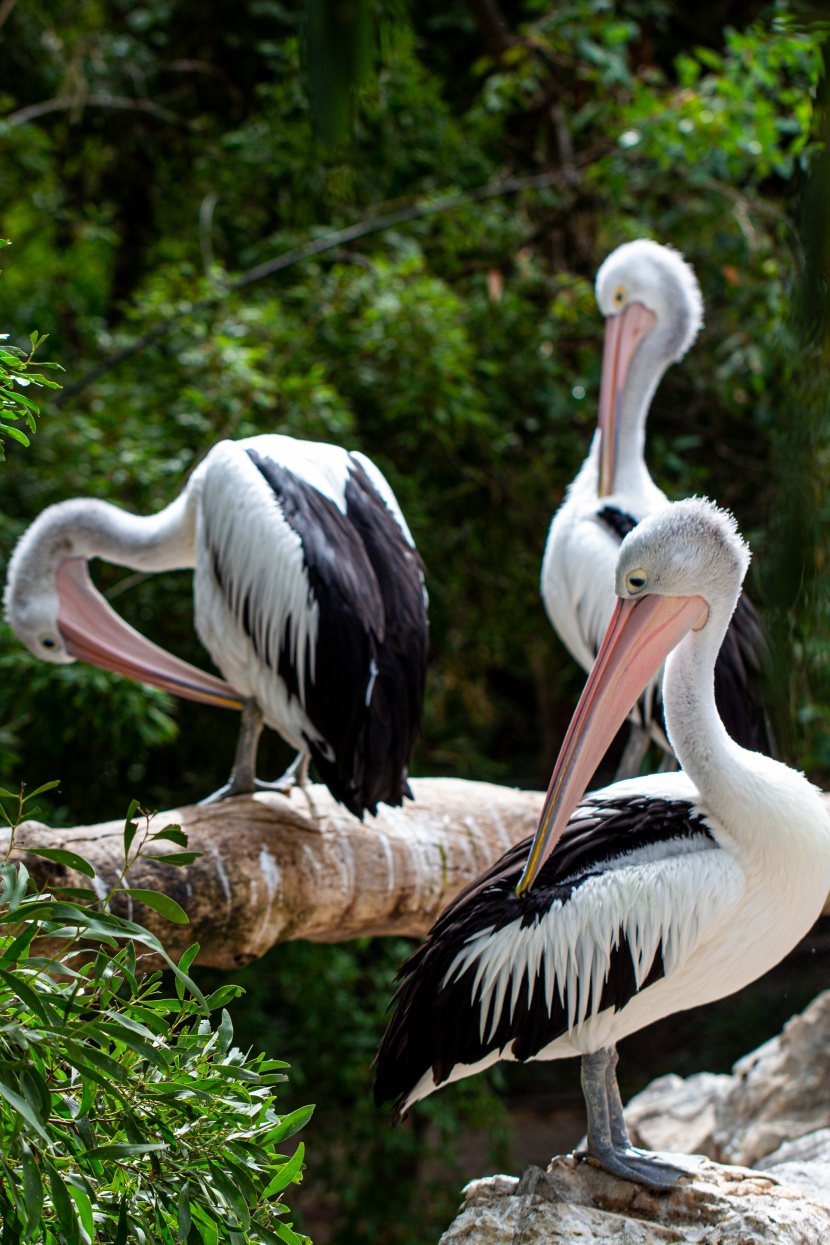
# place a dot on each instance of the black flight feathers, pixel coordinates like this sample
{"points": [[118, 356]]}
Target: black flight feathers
{"points": [[437, 1026], [738, 670], [366, 695]]}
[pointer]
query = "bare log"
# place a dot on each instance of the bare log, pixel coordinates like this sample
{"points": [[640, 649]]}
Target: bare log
{"points": [[278, 867]]}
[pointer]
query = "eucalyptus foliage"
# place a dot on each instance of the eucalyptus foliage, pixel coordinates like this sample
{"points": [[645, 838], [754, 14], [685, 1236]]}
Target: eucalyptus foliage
{"points": [[16, 374], [126, 1113]]}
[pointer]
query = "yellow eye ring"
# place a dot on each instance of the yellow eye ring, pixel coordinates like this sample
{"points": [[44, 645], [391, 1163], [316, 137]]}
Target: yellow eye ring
{"points": [[619, 295], [635, 581]]}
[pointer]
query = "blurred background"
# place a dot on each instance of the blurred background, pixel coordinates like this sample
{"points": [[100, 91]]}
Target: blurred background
{"points": [[157, 156]]}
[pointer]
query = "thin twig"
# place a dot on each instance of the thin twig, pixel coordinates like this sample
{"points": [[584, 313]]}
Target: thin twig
{"points": [[317, 246], [32, 111]]}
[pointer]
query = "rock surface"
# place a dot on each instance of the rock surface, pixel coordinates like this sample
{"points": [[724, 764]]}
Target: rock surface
{"points": [[776, 1094], [576, 1202]]}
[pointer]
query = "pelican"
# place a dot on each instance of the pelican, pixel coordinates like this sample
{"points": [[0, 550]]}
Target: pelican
{"points": [[653, 311], [645, 898], [308, 595]]}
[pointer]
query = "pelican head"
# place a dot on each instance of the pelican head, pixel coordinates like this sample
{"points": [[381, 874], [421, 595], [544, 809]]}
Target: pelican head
{"points": [[31, 601], [680, 570], [644, 290], [54, 608]]}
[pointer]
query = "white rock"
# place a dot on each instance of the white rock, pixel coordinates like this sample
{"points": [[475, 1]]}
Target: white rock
{"points": [[676, 1114], [575, 1202], [779, 1092]]}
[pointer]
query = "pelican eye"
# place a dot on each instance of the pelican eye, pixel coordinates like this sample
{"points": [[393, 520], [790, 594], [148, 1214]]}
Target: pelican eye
{"points": [[635, 581], [619, 296], [48, 642]]}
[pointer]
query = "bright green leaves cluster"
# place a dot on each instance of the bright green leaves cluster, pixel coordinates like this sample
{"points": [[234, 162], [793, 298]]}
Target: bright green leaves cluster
{"points": [[17, 374], [126, 1115]]}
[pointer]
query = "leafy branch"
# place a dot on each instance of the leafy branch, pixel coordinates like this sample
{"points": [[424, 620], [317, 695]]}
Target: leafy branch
{"points": [[16, 370], [125, 1114]]}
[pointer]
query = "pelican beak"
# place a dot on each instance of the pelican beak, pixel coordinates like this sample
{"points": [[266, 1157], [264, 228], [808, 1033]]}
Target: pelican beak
{"points": [[640, 636], [94, 633], [623, 334]]}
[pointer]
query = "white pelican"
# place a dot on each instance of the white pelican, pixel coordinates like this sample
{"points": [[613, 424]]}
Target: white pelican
{"points": [[308, 595], [648, 897], [653, 310]]}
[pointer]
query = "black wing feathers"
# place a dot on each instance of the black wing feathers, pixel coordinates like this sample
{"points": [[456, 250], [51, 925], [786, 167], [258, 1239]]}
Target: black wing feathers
{"points": [[365, 693], [617, 521], [438, 1026]]}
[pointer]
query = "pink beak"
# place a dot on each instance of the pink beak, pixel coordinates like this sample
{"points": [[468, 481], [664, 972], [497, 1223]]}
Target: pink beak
{"points": [[640, 636], [623, 334], [94, 633]]}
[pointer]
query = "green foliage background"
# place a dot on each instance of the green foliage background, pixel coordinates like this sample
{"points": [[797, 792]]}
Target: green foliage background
{"points": [[460, 349]]}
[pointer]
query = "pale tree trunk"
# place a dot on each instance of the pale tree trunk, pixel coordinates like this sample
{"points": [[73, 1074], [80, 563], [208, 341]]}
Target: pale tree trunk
{"points": [[280, 867]]}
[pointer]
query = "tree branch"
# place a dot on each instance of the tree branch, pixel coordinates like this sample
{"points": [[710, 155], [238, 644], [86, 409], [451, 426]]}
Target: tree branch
{"points": [[282, 867], [276, 868], [69, 102]]}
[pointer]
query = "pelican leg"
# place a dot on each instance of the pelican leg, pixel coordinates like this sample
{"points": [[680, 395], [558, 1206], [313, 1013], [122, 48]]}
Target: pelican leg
{"points": [[608, 1140], [243, 775], [635, 749]]}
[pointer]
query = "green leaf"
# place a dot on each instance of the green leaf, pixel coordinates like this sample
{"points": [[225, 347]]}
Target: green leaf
{"points": [[122, 1150], [84, 1206], [130, 829], [286, 1173], [47, 786], [177, 858], [183, 1212], [15, 434], [122, 1231], [290, 1125], [22, 1107], [32, 1189], [276, 1232], [63, 857], [159, 903], [232, 1195], [184, 965], [64, 1207], [225, 1032], [26, 995], [173, 834]]}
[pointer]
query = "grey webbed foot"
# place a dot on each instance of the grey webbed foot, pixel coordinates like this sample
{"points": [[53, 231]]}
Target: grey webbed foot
{"points": [[640, 1166], [295, 776]]}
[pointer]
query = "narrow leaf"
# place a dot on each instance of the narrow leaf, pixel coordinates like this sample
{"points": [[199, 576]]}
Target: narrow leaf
{"points": [[32, 1189], [122, 1150], [289, 1126], [173, 834], [286, 1173], [159, 903], [63, 857], [178, 858]]}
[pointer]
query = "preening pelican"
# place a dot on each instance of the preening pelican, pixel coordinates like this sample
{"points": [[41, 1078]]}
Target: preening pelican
{"points": [[653, 310], [648, 897], [308, 595]]}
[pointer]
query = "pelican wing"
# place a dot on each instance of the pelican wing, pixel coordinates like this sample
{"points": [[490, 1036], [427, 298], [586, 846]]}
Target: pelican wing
{"points": [[322, 581], [635, 885]]}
